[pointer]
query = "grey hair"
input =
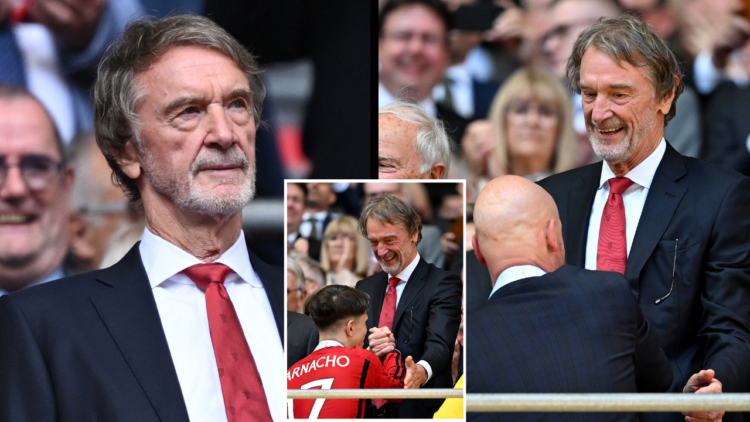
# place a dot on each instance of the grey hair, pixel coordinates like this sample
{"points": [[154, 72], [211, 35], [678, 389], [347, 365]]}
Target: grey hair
{"points": [[316, 272], [627, 38], [391, 209], [117, 95], [433, 143], [293, 266]]}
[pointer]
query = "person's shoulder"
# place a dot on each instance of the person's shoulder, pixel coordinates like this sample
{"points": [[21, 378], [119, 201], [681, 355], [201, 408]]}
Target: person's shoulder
{"points": [[434, 271], [300, 320], [266, 271], [593, 281], [710, 175], [369, 282], [563, 180], [57, 294]]}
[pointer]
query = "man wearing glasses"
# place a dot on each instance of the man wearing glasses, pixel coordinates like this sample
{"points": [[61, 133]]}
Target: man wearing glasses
{"points": [[35, 186]]}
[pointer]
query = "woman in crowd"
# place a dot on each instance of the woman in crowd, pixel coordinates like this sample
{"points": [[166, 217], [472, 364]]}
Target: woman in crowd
{"points": [[344, 254], [528, 133]]}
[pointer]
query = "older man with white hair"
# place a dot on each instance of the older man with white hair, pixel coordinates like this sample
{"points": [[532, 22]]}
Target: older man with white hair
{"points": [[412, 144]]}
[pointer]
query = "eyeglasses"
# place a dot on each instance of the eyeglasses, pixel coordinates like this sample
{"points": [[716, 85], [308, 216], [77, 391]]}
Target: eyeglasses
{"points": [[519, 112], [430, 40], [335, 237], [37, 170], [288, 291]]}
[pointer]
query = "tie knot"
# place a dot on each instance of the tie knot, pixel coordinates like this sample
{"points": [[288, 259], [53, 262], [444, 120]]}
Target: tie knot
{"points": [[618, 185], [393, 281], [205, 274]]}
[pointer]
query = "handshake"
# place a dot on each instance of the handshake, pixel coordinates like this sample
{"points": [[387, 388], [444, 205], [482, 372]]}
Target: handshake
{"points": [[382, 342]]}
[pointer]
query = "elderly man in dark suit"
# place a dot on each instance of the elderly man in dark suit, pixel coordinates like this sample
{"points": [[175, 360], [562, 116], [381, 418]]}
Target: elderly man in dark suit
{"points": [[676, 227], [189, 324], [415, 307], [550, 327]]}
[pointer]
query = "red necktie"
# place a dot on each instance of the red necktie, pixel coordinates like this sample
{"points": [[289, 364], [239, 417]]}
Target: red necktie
{"points": [[612, 252], [244, 397], [388, 311]]}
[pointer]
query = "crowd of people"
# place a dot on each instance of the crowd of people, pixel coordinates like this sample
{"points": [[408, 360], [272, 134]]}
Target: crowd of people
{"points": [[498, 86], [397, 247]]}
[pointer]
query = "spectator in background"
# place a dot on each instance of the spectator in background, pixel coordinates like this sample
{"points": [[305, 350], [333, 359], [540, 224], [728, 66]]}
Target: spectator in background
{"points": [[35, 186], [413, 55], [344, 255], [295, 207], [296, 291], [411, 143], [529, 134], [317, 216], [315, 276], [99, 208], [52, 48]]}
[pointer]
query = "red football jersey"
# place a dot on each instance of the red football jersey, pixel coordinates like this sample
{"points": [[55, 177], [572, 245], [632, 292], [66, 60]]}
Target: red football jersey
{"points": [[343, 368]]}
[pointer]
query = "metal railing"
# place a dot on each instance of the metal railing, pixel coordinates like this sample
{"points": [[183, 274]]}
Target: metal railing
{"points": [[652, 402], [381, 393]]}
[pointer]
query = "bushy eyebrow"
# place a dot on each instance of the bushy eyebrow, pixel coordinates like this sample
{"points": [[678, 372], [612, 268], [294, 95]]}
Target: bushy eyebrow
{"points": [[611, 86], [198, 99]]}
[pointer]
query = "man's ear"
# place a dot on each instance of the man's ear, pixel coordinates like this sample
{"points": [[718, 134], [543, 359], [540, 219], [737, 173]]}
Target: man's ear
{"points": [[129, 160], [80, 237], [437, 171], [478, 252], [551, 236], [349, 328], [666, 103]]}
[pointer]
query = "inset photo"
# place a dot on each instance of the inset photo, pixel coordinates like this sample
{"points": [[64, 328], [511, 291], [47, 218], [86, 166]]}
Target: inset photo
{"points": [[375, 299]]}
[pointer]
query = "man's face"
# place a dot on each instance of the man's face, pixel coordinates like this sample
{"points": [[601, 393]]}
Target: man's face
{"points": [[397, 149], [375, 190], [198, 133], [293, 301], [295, 206], [412, 51], [360, 330], [320, 196], [33, 222], [393, 247], [622, 117], [566, 22]]}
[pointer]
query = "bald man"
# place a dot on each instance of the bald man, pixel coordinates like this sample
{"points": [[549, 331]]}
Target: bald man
{"points": [[550, 327]]}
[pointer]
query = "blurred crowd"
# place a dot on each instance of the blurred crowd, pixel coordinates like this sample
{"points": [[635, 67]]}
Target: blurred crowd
{"points": [[494, 73], [322, 235]]}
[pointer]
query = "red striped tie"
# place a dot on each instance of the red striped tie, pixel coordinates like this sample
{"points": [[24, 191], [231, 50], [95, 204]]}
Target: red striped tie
{"points": [[388, 311], [241, 386], [612, 252]]}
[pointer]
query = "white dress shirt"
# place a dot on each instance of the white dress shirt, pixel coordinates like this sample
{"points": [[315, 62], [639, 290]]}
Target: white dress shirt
{"points": [[182, 309], [385, 97], [633, 200], [403, 278], [515, 273], [462, 90]]}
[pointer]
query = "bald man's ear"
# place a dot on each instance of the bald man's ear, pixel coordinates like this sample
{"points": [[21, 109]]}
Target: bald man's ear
{"points": [[551, 234], [437, 171], [475, 243]]}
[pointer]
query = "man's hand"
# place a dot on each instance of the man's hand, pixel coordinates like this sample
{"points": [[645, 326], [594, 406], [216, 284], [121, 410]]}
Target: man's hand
{"points": [[74, 22], [416, 375], [381, 341], [703, 382]]}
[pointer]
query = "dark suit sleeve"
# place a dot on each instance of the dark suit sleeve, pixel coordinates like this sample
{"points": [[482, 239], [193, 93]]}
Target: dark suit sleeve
{"points": [[313, 341], [442, 326], [725, 329], [653, 372], [26, 392]]}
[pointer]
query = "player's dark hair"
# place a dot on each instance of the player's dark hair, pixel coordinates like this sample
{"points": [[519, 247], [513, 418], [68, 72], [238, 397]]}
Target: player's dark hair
{"points": [[334, 303]]}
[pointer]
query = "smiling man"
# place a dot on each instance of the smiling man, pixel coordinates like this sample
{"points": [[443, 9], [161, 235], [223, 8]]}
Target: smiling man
{"points": [[414, 306], [675, 227], [35, 186], [189, 324]]}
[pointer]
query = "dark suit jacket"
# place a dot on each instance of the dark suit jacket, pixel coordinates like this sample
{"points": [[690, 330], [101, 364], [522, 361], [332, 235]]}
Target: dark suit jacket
{"points": [[425, 326], [704, 323], [569, 331], [478, 283], [727, 128], [92, 348], [301, 337]]}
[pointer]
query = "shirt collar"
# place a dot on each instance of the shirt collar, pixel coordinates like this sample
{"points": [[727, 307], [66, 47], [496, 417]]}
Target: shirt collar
{"points": [[516, 273], [459, 73], [406, 272], [385, 97], [162, 259], [643, 173], [328, 343]]}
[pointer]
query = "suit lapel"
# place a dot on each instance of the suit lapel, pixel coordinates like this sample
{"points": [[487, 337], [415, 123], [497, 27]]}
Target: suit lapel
{"points": [[378, 295], [272, 283], [580, 202], [129, 311], [413, 286], [663, 198]]}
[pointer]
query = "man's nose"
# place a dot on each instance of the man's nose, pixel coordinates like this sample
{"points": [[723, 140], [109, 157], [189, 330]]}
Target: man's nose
{"points": [[382, 250], [602, 109], [219, 130], [13, 186]]}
